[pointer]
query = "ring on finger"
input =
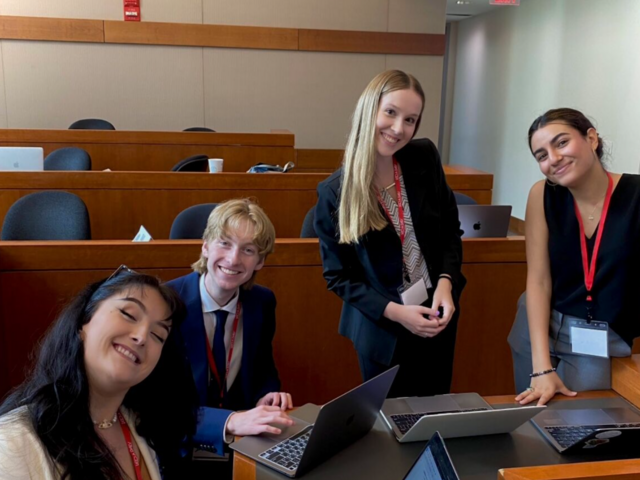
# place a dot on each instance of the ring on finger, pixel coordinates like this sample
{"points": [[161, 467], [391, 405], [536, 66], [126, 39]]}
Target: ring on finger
{"points": [[530, 389]]}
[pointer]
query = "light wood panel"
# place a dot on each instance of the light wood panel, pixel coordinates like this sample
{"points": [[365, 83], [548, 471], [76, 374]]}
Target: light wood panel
{"points": [[160, 151], [612, 470], [228, 36], [150, 33], [119, 202], [51, 29], [371, 42], [625, 378], [307, 343]]}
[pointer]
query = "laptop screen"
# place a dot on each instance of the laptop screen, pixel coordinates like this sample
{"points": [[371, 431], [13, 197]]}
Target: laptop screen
{"points": [[433, 463]]}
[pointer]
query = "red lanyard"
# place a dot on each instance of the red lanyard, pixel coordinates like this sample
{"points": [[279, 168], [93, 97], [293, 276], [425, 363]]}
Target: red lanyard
{"points": [[396, 177], [590, 272], [127, 437], [212, 362]]}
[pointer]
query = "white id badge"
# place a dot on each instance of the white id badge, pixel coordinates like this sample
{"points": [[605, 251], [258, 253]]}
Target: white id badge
{"points": [[416, 294], [590, 338]]}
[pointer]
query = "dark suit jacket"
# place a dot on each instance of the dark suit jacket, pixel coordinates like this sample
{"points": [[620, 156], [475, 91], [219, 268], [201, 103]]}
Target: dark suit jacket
{"points": [[367, 275], [258, 372]]}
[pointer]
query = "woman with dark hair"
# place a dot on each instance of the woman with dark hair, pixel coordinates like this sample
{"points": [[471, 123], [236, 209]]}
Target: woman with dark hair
{"points": [[583, 234], [108, 397], [390, 241]]}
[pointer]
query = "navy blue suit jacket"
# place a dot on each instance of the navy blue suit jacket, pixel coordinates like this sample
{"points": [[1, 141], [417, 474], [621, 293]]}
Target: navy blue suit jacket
{"points": [[367, 275], [258, 372]]}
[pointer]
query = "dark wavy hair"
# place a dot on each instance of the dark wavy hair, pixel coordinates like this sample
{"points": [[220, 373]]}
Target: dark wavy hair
{"points": [[574, 118], [57, 391]]}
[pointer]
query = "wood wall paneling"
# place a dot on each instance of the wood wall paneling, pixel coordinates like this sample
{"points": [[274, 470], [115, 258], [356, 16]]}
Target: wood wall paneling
{"points": [[307, 343], [371, 42], [625, 378], [51, 29], [229, 36]]}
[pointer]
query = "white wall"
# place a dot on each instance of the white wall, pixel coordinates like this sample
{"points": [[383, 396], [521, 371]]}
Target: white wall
{"points": [[137, 87], [515, 64]]}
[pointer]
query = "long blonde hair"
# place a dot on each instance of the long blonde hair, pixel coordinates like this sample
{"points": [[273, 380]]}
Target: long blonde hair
{"points": [[358, 211]]}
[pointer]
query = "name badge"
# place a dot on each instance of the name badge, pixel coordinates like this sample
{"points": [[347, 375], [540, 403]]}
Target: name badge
{"points": [[416, 294], [590, 338]]}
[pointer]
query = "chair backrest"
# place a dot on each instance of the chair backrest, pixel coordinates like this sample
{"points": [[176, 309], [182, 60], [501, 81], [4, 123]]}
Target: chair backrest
{"points": [[198, 129], [191, 222], [307, 224], [68, 158], [194, 163], [462, 199], [47, 215], [91, 124]]}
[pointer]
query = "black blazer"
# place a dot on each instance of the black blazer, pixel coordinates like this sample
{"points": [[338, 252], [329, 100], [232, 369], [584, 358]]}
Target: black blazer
{"points": [[367, 275]]}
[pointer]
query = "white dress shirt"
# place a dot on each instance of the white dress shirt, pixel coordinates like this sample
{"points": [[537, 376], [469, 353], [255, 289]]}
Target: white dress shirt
{"points": [[209, 306]]}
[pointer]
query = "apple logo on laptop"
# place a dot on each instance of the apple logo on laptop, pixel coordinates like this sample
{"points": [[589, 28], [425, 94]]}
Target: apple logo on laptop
{"points": [[477, 226]]}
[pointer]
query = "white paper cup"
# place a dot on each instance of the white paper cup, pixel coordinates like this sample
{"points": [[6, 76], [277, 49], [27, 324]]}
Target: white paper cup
{"points": [[215, 165]]}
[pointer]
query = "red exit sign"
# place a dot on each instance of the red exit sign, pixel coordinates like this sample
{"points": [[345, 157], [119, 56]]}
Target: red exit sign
{"points": [[505, 2]]}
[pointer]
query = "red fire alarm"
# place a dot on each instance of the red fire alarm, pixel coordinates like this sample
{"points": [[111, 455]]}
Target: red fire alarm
{"points": [[131, 10]]}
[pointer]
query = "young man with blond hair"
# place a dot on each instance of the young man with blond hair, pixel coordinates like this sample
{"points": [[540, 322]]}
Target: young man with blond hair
{"points": [[229, 329]]}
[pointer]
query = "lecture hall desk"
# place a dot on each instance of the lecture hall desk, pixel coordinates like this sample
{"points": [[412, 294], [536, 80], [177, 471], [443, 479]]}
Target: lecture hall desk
{"points": [[160, 151], [37, 277], [472, 463], [119, 202]]}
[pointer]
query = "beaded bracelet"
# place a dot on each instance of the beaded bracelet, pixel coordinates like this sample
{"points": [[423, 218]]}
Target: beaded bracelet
{"points": [[544, 372]]}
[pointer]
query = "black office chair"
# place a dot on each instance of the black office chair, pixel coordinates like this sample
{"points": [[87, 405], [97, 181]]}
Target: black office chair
{"points": [[198, 129], [91, 124], [307, 224], [191, 222], [462, 199], [194, 163], [47, 215], [68, 158]]}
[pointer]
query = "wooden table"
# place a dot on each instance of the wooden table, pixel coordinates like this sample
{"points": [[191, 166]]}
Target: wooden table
{"points": [[307, 342], [159, 151], [119, 202]]}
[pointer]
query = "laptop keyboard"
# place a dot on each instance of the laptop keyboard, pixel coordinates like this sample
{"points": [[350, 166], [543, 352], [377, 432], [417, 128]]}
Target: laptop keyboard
{"points": [[570, 435], [288, 453], [405, 421]]}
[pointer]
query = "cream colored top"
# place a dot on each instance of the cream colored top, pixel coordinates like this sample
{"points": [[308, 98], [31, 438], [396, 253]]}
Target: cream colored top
{"points": [[23, 457]]}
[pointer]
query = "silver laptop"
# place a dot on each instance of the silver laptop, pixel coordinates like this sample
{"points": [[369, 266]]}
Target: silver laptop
{"points": [[339, 423], [595, 429], [20, 159], [415, 419], [484, 221], [434, 463]]}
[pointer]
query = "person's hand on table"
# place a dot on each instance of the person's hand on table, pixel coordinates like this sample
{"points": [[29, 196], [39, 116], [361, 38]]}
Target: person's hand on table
{"points": [[543, 389]]}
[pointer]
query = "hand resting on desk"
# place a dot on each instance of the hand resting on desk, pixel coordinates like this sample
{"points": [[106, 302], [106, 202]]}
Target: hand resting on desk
{"points": [[257, 421]]}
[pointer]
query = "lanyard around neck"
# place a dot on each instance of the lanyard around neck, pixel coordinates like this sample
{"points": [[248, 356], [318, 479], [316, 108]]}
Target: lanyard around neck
{"points": [[396, 178], [590, 270], [212, 361], [132, 453]]}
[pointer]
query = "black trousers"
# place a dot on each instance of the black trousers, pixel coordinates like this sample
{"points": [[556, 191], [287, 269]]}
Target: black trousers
{"points": [[426, 364]]}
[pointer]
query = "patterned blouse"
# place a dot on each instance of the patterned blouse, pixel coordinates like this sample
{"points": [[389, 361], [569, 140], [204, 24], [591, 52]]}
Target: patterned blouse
{"points": [[411, 253]]}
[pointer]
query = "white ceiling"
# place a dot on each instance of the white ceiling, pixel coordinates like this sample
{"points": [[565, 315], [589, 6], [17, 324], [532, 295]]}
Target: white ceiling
{"points": [[470, 8]]}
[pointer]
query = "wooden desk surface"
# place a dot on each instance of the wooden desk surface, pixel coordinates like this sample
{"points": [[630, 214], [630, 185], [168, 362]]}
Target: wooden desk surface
{"points": [[307, 342], [119, 202], [244, 468], [159, 151]]}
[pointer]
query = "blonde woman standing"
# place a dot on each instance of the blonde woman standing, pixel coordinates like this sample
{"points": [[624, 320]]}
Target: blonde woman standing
{"points": [[390, 241]]}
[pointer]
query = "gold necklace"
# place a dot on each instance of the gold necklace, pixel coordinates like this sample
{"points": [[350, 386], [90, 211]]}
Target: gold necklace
{"points": [[104, 424]]}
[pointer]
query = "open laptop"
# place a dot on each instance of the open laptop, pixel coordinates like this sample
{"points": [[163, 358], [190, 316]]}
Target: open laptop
{"points": [[583, 430], [484, 221], [434, 463], [414, 419], [339, 423], [17, 159]]}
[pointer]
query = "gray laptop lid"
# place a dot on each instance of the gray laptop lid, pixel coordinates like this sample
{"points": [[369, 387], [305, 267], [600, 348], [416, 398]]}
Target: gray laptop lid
{"points": [[484, 221], [434, 463], [16, 159]]}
